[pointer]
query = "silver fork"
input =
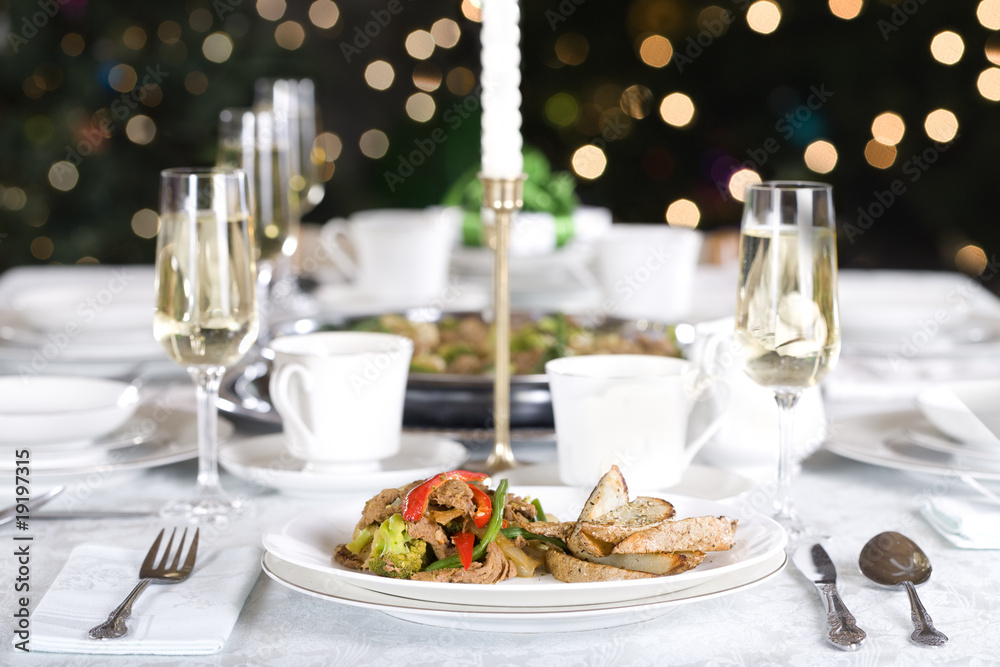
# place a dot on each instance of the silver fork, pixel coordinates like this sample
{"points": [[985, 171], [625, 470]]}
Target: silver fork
{"points": [[174, 573]]}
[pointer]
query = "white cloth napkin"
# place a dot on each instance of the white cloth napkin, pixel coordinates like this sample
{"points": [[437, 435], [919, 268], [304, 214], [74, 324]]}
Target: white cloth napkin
{"points": [[195, 617], [969, 524]]}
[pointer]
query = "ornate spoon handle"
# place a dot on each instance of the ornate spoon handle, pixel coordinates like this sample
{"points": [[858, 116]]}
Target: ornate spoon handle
{"points": [[924, 634], [115, 627], [844, 632]]}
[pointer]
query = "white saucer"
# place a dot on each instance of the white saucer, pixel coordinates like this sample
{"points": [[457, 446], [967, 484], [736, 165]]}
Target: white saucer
{"points": [[347, 300], [265, 461], [699, 481]]}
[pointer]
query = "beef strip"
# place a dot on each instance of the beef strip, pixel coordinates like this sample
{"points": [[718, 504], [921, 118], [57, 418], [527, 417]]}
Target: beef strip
{"points": [[379, 508], [344, 556], [495, 568], [431, 533], [548, 528], [517, 510], [454, 493]]}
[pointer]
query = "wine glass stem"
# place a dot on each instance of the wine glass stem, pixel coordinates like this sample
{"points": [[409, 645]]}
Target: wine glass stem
{"points": [[207, 382], [786, 431], [265, 276]]}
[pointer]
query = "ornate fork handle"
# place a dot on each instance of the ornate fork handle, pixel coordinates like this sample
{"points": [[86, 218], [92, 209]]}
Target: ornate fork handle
{"points": [[115, 627], [844, 632]]}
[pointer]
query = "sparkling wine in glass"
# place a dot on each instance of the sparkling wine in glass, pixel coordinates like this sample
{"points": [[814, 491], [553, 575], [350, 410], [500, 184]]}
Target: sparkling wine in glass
{"points": [[786, 311], [206, 313], [258, 143]]}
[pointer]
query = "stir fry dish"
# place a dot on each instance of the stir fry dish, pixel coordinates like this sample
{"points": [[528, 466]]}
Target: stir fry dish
{"points": [[464, 345], [453, 528]]}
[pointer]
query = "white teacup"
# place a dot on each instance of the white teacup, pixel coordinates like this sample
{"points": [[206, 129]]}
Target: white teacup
{"points": [[647, 270], [399, 254], [340, 396], [648, 415]]}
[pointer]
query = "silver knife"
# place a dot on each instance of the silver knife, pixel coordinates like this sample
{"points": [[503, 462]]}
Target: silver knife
{"points": [[86, 514], [813, 561], [9, 514]]}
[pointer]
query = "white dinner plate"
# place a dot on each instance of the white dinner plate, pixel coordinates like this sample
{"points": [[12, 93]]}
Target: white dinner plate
{"points": [[698, 481], [265, 461], [541, 619], [934, 440], [310, 541], [878, 439]]}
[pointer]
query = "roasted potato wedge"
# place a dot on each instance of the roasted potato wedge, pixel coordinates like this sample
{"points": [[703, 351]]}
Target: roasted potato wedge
{"points": [[573, 570], [655, 563], [616, 525], [703, 533]]}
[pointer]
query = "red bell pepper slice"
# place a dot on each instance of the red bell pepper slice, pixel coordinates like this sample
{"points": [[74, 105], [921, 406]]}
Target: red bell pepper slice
{"points": [[463, 542], [484, 507], [415, 502]]}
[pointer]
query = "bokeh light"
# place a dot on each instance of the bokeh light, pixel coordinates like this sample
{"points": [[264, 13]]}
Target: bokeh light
{"points": [[72, 44], [329, 146], [427, 76], [200, 20], [739, 181], [683, 213], [379, 75], [572, 48], [471, 10], [879, 155], [656, 51], [134, 37], [460, 81], [420, 107], [941, 125], [374, 144], [446, 33], [561, 109], [145, 223], [589, 162], [63, 176], [196, 82], [971, 260], [846, 9], [888, 128], [169, 32], [764, 16], [271, 10], [420, 44], [821, 156], [290, 35], [140, 129], [13, 198], [42, 247], [988, 13], [217, 47], [636, 101], [988, 84], [715, 20], [122, 78], [324, 14], [947, 47], [677, 109]]}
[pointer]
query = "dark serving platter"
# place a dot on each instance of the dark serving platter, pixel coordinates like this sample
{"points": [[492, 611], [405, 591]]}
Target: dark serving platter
{"points": [[433, 401]]}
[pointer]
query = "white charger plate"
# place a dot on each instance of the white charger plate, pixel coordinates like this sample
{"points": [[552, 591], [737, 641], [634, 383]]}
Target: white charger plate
{"points": [[878, 439], [310, 541], [541, 619], [265, 461]]}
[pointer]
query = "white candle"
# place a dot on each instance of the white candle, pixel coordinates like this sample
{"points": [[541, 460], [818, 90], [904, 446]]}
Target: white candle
{"points": [[501, 79]]}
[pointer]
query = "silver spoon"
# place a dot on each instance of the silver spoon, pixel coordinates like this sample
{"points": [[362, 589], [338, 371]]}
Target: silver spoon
{"points": [[891, 559]]}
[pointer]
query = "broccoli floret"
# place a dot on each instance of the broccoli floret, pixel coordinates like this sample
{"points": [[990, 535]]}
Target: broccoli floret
{"points": [[394, 553]]}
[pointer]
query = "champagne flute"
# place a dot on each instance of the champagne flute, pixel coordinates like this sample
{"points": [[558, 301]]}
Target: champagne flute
{"points": [[786, 310], [206, 315], [295, 99], [258, 143]]}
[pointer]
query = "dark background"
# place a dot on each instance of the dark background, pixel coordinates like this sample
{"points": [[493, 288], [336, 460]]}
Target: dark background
{"points": [[742, 84]]}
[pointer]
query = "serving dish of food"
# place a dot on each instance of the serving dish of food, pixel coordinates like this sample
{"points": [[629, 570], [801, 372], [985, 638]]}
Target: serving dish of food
{"points": [[450, 385], [646, 546]]}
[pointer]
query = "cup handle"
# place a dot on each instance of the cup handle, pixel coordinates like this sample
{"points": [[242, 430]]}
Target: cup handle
{"points": [[279, 396], [330, 238]]}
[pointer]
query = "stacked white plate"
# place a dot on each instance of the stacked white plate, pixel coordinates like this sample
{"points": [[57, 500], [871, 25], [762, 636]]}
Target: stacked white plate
{"points": [[299, 556]]}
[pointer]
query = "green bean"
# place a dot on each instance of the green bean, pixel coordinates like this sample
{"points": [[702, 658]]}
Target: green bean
{"points": [[517, 531]]}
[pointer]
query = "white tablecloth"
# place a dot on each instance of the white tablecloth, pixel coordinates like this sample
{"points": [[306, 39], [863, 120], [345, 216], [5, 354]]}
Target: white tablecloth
{"points": [[778, 622]]}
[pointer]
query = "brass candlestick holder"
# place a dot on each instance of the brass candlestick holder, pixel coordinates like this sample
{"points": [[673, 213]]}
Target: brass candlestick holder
{"points": [[503, 196]]}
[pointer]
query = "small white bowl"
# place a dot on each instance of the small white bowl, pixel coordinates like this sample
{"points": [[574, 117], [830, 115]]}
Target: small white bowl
{"points": [[51, 409], [946, 411]]}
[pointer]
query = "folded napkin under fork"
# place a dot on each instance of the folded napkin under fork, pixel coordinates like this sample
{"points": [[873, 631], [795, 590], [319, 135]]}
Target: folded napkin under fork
{"points": [[192, 618]]}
